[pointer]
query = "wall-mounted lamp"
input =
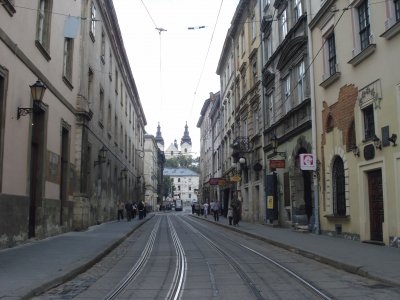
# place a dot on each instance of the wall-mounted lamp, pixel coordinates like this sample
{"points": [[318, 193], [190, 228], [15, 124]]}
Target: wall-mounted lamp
{"points": [[393, 139], [101, 156], [37, 92], [377, 143], [123, 174], [274, 142], [242, 160], [356, 150]]}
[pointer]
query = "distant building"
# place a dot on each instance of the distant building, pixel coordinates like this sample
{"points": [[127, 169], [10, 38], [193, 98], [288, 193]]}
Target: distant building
{"points": [[173, 149], [185, 183]]}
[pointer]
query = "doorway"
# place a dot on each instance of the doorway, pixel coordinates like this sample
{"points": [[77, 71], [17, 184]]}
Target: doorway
{"points": [[376, 212], [64, 172], [36, 168]]}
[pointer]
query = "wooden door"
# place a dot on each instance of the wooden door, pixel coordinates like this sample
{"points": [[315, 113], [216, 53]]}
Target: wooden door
{"points": [[376, 213]]}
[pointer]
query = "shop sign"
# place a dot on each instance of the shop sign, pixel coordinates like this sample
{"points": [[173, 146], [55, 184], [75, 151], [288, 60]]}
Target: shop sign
{"points": [[216, 181], [236, 178], [277, 163], [270, 202], [307, 162]]}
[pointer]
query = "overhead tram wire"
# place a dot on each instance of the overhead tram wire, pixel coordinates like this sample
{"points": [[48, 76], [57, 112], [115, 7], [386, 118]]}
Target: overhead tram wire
{"points": [[160, 30], [205, 60]]}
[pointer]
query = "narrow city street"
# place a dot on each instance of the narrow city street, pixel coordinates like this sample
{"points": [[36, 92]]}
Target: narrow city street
{"points": [[177, 256]]}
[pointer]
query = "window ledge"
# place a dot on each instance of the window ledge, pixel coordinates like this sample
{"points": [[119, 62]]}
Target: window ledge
{"points": [[357, 59], [331, 79], [9, 7], [67, 82], [337, 217], [43, 50], [392, 31]]}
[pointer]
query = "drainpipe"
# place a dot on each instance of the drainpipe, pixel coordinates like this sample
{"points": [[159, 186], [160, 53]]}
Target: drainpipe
{"points": [[264, 117], [316, 228]]}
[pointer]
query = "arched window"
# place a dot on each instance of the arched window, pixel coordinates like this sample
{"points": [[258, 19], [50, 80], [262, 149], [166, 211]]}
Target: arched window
{"points": [[339, 193]]}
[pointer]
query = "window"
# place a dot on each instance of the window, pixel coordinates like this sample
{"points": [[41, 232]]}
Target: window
{"points": [[111, 63], [256, 117], [116, 81], [364, 24], [103, 47], [43, 25], [92, 20], [369, 123], [397, 9], [253, 27], [190, 196], [243, 42], [190, 188], [268, 48], [90, 85], [121, 137], [339, 191], [286, 93], [68, 55], [101, 106], [109, 118], [271, 109], [298, 11], [116, 130], [284, 25], [244, 128], [254, 71], [331, 53], [300, 82]]}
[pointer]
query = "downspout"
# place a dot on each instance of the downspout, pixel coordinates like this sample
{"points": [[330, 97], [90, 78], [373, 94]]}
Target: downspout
{"points": [[264, 117], [316, 228]]}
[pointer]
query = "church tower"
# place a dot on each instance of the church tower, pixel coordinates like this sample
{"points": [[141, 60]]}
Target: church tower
{"points": [[159, 139], [186, 142]]}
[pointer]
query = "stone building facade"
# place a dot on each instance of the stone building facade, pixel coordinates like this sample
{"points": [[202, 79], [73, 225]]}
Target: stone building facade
{"points": [[64, 162]]}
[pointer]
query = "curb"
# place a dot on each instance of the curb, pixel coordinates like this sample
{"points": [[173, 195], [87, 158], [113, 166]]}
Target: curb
{"points": [[311, 255]]}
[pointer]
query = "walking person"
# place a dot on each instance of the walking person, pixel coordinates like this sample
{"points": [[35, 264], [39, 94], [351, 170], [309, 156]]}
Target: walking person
{"points": [[141, 209], [205, 207], [120, 208], [215, 209], [230, 215], [236, 206], [129, 211]]}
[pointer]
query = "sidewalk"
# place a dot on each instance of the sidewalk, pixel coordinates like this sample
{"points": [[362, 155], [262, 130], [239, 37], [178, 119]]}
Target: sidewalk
{"points": [[33, 267], [376, 262]]}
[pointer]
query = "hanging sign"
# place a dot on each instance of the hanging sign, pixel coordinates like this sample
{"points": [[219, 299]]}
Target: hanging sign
{"points": [[308, 162], [277, 163], [235, 178]]}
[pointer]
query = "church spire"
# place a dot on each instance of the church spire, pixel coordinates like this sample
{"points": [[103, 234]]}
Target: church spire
{"points": [[159, 139], [186, 138]]}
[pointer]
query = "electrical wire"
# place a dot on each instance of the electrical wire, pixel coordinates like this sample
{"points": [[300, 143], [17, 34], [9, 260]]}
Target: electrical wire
{"points": [[205, 59]]}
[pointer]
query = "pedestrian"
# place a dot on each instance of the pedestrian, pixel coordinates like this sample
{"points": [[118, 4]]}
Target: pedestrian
{"points": [[236, 207], [141, 209], [215, 209], [129, 211], [134, 210], [120, 208], [197, 208], [205, 207], [230, 215]]}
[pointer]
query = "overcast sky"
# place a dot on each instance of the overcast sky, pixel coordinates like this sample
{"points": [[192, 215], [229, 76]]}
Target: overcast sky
{"points": [[172, 74]]}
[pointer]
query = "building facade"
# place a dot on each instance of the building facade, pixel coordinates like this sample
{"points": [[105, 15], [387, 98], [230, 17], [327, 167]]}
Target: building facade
{"points": [[241, 112], [185, 183], [68, 157], [205, 163], [288, 118], [357, 90], [185, 147], [151, 171]]}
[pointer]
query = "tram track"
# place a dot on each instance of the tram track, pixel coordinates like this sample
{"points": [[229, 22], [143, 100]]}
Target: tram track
{"points": [[250, 283]]}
